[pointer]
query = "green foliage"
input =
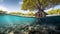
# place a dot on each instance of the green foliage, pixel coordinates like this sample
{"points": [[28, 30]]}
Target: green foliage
{"points": [[15, 13], [39, 5], [2, 12], [22, 14], [56, 11], [34, 4]]}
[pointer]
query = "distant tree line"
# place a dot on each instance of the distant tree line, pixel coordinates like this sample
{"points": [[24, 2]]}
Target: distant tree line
{"points": [[22, 14], [2, 12], [54, 12]]}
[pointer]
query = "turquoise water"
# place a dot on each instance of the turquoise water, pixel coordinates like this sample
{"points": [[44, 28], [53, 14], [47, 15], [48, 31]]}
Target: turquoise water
{"points": [[10, 19]]}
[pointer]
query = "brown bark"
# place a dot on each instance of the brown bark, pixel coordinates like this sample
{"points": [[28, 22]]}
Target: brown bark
{"points": [[40, 14]]}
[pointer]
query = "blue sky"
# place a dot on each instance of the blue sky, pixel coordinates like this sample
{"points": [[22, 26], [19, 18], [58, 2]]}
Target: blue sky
{"points": [[10, 5], [13, 5]]}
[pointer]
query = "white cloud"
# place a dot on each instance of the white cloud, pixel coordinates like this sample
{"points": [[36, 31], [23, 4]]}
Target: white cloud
{"points": [[22, 11], [48, 10], [3, 8], [6, 9], [20, 3]]}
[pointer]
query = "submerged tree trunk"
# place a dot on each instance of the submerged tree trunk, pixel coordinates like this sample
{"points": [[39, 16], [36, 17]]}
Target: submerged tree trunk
{"points": [[39, 15]]}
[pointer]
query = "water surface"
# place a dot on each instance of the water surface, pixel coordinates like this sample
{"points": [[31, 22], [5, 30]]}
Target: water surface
{"points": [[10, 19]]}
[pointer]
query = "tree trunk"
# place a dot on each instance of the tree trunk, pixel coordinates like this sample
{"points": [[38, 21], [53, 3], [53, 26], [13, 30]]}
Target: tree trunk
{"points": [[40, 14]]}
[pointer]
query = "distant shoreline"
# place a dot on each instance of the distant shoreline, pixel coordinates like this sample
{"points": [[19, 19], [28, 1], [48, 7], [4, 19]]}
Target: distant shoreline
{"points": [[30, 16], [34, 16]]}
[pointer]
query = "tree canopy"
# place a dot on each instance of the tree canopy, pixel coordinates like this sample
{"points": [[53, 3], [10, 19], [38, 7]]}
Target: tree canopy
{"points": [[38, 4]]}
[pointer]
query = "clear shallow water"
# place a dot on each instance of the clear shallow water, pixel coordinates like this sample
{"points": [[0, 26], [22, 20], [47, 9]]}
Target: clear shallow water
{"points": [[10, 19]]}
